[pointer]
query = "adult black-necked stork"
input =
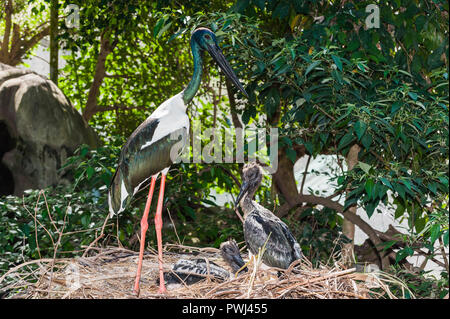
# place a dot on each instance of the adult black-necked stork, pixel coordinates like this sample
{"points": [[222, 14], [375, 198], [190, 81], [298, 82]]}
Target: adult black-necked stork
{"points": [[148, 150], [261, 225]]}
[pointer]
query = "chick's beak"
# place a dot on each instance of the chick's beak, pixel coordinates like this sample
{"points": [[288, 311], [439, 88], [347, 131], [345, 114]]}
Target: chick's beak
{"points": [[242, 192]]}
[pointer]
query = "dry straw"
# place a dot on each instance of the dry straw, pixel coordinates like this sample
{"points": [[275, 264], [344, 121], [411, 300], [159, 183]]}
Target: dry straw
{"points": [[110, 272]]}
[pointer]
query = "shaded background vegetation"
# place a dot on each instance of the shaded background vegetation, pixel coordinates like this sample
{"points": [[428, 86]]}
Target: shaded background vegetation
{"points": [[376, 98]]}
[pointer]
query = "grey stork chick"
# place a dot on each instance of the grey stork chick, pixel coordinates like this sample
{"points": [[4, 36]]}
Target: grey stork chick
{"points": [[231, 254], [261, 225], [191, 271]]}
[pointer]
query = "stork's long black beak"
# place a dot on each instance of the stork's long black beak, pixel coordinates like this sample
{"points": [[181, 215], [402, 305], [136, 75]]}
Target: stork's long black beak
{"points": [[242, 192], [217, 55]]}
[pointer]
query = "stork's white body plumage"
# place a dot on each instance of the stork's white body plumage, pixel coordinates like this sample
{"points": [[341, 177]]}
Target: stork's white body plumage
{"points": [[172, 117]]}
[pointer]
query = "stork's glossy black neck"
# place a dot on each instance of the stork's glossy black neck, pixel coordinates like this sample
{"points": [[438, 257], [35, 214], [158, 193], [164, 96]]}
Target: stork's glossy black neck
{"points": [[193, 86]]}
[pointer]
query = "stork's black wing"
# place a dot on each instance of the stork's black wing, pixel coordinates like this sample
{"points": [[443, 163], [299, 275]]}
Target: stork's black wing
{"points": [[139, 160]]}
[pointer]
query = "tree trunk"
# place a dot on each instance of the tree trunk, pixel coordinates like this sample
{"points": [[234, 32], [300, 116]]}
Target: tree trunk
{"points": [[284, 179], [106, 47], [348, 228], [5, 42], [234, 117], [14, 45], [54, 41]]}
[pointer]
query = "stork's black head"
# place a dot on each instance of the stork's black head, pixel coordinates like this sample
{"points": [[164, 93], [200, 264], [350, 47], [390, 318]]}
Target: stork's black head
{"points": [[206, 40], [251, 179], [204, 37]]}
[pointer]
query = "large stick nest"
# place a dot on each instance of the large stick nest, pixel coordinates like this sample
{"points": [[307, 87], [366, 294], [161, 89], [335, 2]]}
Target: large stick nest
{"points": [[110, 273]]}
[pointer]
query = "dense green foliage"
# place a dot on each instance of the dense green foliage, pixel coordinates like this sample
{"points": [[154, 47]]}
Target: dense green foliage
{"points": [[332, 85], [312, 69]]}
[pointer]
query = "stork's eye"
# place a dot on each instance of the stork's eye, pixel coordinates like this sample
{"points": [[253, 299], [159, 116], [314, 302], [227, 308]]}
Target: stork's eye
{"points": [[207, 37]]}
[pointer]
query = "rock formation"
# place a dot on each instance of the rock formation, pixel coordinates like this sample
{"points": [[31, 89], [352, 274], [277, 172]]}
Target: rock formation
{"points": [[39, 129]]}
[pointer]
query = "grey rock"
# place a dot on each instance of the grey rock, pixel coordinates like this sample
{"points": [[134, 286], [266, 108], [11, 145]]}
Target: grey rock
{"points": [[39, 129]]}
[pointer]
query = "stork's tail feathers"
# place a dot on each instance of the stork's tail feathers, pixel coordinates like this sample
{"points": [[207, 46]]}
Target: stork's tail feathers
{"points": [[230, 253], [117, 194]]}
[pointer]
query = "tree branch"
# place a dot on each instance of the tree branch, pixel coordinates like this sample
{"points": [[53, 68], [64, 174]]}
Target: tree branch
{"points": [[229, 173], [355, 219], [6, 35], [348, 228], [305, 173], [100, 71], [234, 117]]}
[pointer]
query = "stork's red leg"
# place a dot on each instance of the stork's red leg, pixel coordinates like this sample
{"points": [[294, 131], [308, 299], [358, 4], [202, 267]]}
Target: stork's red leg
{"points": [[144, 227], [158, 226]]}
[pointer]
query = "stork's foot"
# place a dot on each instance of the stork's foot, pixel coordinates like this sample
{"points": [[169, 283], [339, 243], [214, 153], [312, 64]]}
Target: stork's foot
{"points": [[162, 290], [162, 284]]}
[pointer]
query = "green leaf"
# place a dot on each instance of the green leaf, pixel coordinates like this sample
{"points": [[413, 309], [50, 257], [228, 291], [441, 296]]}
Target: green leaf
{"points": [[158, 26], [360, 129], [337, 61], [89, 172], [324, 137], [407, 183], [350, 202], [309, 147], [370, 207], [346, 140], [413, 95], [386, 182], [256, 52], [399, 211], [291, 154], [409, 251], [85, 221], [365, 167], [84, 151], [261, 66], [369, 186], [399, 189], [445, 239], [164, 29], [420, 224], [25, 228], [435, 231], [432, 187], [402, 254], [311, 67], [396, 106], [389, 244], [366, 140]]}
